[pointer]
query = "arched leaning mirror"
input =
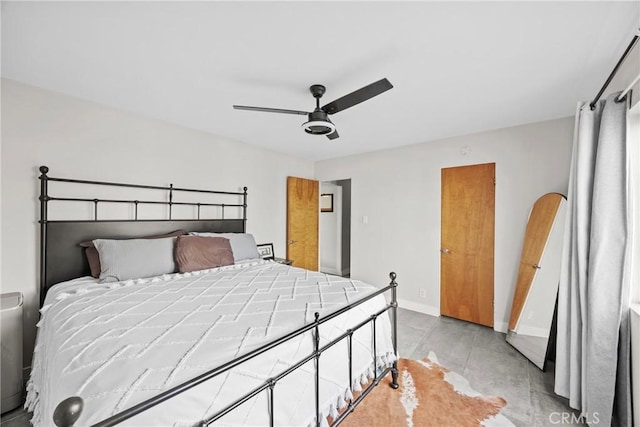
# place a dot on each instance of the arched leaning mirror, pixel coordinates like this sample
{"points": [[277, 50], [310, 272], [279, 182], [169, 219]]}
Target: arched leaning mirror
{"points": [[536, 291]]}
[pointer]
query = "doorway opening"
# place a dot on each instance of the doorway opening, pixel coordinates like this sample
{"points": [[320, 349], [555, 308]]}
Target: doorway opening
{"points": [[335, 227]]}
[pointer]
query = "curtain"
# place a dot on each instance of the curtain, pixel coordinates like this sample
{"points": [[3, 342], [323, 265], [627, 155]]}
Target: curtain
{"points": [[593, 337]]}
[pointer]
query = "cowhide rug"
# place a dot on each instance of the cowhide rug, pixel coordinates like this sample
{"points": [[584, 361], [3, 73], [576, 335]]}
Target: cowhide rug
{"points": [[429, 395]]}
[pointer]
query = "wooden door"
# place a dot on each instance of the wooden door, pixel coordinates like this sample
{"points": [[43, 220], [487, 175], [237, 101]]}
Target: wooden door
{"points": [[467, 243], [302, 222], [539, 224]]}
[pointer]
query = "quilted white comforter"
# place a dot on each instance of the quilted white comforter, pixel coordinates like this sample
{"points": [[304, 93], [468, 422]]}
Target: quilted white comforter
{"points": [[118, 344]]}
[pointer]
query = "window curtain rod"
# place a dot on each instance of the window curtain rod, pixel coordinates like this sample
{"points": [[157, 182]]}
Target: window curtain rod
{"points": [[615, 70]]}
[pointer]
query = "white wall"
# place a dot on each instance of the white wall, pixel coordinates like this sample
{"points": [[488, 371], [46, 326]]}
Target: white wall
{"points": [[399, 191], [331, 232], [79, 139]]}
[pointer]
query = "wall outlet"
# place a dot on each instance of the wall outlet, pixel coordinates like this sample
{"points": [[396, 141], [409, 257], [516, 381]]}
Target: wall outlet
{"points": [[422, 293]]}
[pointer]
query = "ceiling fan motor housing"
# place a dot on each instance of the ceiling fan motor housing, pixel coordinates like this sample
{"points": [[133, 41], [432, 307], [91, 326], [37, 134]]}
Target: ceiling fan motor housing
{"points": [[319, 123]]}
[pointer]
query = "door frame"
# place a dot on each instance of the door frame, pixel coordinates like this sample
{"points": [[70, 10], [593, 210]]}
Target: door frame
{"points": [[475, 306]]}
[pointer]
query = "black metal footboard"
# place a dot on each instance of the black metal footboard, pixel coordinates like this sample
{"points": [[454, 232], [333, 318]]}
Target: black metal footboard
{"points": [[69, 410]]}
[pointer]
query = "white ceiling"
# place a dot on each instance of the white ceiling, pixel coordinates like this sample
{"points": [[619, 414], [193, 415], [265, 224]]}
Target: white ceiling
{"points": [[457, 68]]}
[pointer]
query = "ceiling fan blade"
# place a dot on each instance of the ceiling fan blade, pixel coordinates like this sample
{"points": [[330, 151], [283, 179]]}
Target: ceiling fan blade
{"points": [[333, 135], [358, 96], [270, 110]]}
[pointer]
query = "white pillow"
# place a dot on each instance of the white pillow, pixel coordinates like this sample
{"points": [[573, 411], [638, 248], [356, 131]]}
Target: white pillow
{"points": [[243, 245], [135, 258]]}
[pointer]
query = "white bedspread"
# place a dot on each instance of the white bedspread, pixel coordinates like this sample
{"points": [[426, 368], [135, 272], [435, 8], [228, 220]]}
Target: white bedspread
{"points": [[118, 344]]}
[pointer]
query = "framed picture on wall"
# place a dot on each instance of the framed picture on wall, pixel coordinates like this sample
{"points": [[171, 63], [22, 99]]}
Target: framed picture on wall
{"points": [[265, 250], [326, 202]]}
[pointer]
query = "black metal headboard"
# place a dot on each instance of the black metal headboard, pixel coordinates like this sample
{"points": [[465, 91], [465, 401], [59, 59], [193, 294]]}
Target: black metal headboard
{"points": [[62, 259]]}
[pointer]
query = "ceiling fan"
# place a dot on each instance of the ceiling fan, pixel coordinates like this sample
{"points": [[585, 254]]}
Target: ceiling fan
{"points": [[319, 123]]}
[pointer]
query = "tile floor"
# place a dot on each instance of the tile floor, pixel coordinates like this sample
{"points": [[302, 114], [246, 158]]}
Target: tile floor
{"points": [[478, 353], [16, 418], [488, 362]]}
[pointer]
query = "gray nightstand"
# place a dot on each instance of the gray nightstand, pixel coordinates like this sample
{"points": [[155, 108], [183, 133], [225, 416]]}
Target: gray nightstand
{"points": [[12, 382]]}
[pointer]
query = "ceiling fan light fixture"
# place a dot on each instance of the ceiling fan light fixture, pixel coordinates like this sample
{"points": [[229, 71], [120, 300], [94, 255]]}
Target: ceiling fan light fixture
{"points": [[318, 127]]}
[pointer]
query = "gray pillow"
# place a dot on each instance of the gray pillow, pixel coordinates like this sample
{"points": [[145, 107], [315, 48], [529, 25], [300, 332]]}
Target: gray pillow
{"points": [[135, 258], [243, 245]]}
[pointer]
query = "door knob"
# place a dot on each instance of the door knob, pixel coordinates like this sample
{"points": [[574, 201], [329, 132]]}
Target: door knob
{"points": [[536, 266], [291, 242], [445, 251]]}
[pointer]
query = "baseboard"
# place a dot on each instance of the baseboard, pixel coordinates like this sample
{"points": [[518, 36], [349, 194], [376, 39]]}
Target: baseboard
{"points": [[435, 311], [533, 332], [329, 270], [501, 327], [420, 308]]}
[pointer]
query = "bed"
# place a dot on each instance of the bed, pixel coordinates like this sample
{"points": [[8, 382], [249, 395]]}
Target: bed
{"points": [[251, 342]]}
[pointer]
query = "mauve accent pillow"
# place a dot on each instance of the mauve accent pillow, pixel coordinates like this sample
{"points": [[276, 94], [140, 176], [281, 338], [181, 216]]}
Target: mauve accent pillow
{"points": [[135, 258], [199, 253], [94, 258]]}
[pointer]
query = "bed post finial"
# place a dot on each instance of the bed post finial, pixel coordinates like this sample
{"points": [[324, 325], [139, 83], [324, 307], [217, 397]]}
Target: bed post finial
{"points": [[44, 169], [68, 411], [394, 311]]}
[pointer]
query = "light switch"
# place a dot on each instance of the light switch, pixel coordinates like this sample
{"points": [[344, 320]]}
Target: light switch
{"points": [[365, 219]]}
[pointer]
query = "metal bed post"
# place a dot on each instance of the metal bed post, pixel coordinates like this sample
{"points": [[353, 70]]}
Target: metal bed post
{"points": [[244, 210], [316, 352], [350, 346], [272, 385], [44, 198], [170, 199], [394, 309], [375, 353]]}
